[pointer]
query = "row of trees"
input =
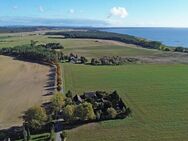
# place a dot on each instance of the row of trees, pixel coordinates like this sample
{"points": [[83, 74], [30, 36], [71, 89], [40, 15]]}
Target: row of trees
{"points": [[42, 53], [115, 60], [105, 60], [59, 77], [52, 46], [181, 49], [93, 34], [34, 53]]}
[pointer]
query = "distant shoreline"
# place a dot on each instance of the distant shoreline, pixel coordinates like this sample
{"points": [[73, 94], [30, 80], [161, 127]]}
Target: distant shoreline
{"points": [[173, 37]]}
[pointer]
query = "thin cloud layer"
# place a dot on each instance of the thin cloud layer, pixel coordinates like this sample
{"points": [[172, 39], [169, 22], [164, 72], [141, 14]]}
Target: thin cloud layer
{"points": [[50, 22]]}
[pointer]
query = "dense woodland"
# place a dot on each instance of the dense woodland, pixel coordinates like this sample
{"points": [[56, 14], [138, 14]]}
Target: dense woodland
{"points": [[94, 34]]}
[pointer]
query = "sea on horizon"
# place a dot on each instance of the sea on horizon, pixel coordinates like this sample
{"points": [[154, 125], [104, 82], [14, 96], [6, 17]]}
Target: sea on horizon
{"points": [[176, 37]]}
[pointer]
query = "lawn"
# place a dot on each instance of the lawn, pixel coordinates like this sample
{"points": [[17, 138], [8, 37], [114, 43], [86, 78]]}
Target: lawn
{"points": [[157, 95]]}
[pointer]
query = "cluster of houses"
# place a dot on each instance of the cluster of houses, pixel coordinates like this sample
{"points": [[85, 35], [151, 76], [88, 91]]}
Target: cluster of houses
{"points": [[101, 101]]}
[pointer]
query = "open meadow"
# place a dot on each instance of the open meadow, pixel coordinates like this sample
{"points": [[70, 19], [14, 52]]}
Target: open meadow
{"points": [[22, 85], [157, 95]]}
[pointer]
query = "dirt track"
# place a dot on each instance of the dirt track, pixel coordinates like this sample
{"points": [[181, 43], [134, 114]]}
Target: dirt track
{"points": [[22, 85]]}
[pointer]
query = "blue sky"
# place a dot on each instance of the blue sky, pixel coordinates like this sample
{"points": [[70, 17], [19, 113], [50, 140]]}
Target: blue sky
{"points": [[124, 13]]}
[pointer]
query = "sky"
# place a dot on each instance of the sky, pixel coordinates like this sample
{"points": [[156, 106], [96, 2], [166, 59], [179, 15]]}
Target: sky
{"points": [[95, 13]]}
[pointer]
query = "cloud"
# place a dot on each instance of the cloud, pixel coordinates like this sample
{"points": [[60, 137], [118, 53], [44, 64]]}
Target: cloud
{"points": [[71, 11], [118, 12], [30, 21], [41, 9]]}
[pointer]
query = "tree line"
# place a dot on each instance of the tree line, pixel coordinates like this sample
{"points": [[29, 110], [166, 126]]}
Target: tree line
{"points": [[59, 77], [94, 34], [34, 52], [115, 60]]}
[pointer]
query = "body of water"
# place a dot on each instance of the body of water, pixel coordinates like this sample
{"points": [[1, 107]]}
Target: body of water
{"points": [[168, 36]]}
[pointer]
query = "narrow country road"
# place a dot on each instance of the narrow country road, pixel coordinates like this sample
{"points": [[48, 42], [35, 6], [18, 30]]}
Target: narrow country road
{"points": [[57, 136], [58, 130]]}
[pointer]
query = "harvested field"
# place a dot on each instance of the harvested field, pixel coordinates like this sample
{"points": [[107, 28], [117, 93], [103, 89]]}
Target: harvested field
{"points": [[22, 85]]}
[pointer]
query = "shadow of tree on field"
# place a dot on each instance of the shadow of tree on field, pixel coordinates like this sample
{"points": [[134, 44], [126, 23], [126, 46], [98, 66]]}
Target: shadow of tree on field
{"points": [[50, 84]]}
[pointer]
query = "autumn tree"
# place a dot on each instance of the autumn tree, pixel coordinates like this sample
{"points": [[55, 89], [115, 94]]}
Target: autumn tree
{"points": [[57, 102], [35, 117], [111, 113], [68, 112], [85, 111]]}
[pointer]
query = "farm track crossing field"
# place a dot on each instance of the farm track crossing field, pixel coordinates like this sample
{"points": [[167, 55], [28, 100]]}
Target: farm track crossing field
{"points": [[157, 95], [22, 85]]}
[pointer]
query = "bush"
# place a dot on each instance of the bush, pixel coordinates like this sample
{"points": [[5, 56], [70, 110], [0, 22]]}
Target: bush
{"points": [[69, 94], [115, 60], [68, 112], [35, 117], [83, 60], [53, 46], [57, 102], [179, 49], [85, 111], [59, 81], [112, 113], [59, 87], [95, 61], [164, 48], [3, 135]]}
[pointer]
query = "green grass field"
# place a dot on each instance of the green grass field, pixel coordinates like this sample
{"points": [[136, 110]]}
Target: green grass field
{"points": [[157, 95]]}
